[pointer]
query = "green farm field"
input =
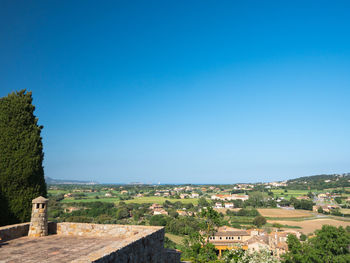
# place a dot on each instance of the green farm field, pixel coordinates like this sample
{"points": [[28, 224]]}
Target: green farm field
{"points": [[139, 200], [89, 200], [175, 238], [291, 193], [56, 192], [160, 200]]}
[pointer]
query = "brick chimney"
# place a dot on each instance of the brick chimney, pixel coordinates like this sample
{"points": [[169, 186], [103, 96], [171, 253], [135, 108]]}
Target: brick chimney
{"points": [[38, 223]]}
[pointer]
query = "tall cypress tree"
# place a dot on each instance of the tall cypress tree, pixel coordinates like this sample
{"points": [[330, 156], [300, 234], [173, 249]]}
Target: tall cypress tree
{"points": [[21, 157]]}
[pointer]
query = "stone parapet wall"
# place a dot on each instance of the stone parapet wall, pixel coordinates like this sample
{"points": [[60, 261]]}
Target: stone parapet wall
{"points": [[14, 231], [20, 230], [146, 249], [104, 230], [171, 256], [134, 244]]}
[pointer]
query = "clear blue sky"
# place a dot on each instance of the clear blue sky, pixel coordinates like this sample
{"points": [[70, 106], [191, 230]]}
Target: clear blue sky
{"points": [[183, 91]]}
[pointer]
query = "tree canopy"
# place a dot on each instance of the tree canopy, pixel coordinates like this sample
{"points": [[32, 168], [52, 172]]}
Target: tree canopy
{"points": [[21, 157], [259, 221], [330, 244]]}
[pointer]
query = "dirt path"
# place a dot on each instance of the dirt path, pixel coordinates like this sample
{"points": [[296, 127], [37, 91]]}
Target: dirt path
{"points": [[309, 226]]}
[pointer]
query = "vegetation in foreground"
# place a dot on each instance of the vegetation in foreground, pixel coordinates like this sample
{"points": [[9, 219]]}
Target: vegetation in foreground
{"points": [[21, 157], [330, 244]]}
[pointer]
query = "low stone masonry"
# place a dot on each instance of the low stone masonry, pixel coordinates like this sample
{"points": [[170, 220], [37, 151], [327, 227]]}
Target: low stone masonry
{"points": [[171, 255], [14, 231], [104, 230], [136, 244], [20, 230], [143, 246]]}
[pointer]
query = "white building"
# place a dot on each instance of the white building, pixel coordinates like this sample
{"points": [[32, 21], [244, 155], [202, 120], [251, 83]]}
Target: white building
{"points": [[229, 205], [218, 205]]}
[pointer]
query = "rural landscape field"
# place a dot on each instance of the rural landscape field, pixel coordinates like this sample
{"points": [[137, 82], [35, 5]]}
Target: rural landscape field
{"points": [[178, 207]]}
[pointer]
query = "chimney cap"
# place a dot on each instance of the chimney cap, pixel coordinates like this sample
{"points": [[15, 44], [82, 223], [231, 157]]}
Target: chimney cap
{"points": [[40, 200]]}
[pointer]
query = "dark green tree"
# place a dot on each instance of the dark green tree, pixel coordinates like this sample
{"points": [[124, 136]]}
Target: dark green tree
{"points": [[122, 212], [256, 199], [310, 195], [259, 221], [157, 220], [338, 200], [169, 244], [202, 202], [21, 157], [303, 237], [330, 244], [211, 220], [197, 250]]}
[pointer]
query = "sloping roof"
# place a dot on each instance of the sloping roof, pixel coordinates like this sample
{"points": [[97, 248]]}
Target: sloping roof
{"points": [[259, 239], [232, 233], [280, 234], [40, 200], [228, 228], [282, 245]]}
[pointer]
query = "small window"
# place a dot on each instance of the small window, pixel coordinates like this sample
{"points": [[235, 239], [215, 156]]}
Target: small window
{"points": [[239, 237], [220, 238], [37, 206], [43, 206]]}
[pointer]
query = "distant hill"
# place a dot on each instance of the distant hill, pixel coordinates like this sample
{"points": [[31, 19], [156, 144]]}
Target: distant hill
{"points": [[321, 181], [50, 180]]}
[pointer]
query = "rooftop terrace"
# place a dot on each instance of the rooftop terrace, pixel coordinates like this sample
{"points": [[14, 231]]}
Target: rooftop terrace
{"points": [[55, 248], [79, 242]]}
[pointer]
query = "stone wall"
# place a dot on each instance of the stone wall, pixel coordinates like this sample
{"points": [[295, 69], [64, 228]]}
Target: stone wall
{"points": [[104, 230], [147, 249], [20, 230], [171, 256], [138, 244], [14, 231]]}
